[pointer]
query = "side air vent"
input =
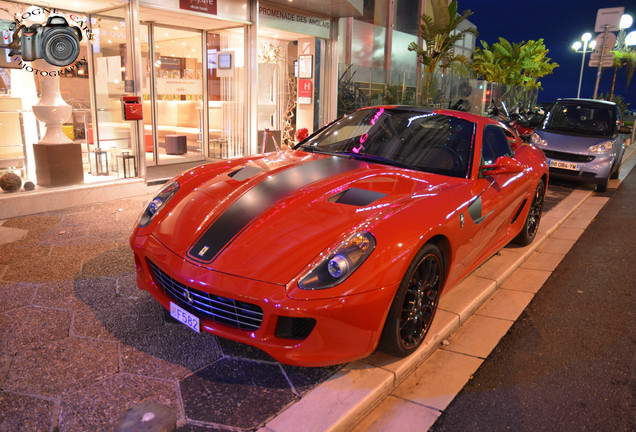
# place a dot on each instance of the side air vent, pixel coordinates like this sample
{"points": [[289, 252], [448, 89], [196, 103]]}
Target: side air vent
{"points": [[523, 204], [357, 197]]}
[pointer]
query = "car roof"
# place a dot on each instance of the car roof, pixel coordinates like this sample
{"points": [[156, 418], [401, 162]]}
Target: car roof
{"points": [[460, 114], [589, 101]]}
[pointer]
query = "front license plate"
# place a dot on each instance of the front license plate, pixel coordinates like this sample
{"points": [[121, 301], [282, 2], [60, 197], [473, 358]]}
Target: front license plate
{"points": [[185, 317], [564, 165]]}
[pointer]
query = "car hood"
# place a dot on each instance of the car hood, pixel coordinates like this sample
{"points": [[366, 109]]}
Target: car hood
{"points": [[570, 143], [267, 218]]}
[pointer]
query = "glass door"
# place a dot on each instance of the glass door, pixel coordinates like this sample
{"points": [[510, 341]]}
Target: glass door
{"points": [[291, 85], [226, 93], [173, 95], [109, 137]]}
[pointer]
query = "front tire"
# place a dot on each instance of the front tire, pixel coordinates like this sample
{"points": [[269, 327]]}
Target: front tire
{"points": [[602, 187], [531, 226], [415, 303], [617, 171]]}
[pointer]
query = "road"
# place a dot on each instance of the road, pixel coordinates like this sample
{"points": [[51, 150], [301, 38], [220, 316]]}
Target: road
{"points": [[569, 362]]}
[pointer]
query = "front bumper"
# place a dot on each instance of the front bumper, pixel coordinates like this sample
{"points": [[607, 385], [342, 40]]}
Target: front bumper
{"points": [[574, 167], [346, 328]]}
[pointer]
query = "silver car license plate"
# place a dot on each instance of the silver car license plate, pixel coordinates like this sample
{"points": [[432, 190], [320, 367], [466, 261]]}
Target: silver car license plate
{"points": [[564, 165], [184, 317]]}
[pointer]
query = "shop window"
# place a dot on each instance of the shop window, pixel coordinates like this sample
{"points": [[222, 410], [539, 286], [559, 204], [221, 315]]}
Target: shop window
{"points": [[60, 90]]}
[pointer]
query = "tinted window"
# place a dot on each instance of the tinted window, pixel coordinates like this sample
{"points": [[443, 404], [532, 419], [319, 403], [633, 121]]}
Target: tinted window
{"points": [[580, 118], [413, 139], [495, 144]]}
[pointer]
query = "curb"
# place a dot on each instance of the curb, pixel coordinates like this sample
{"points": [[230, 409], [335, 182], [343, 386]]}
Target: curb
{"points": [[352, 393]]}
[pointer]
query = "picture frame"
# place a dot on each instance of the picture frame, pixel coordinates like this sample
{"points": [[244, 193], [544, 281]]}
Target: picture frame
{"points": [[224, 61], [305, 66]]}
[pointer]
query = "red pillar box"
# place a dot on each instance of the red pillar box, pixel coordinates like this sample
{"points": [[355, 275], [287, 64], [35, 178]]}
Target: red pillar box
{"points": [[132, 109]]}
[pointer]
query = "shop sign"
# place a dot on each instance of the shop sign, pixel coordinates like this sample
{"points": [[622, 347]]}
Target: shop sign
{"points": [[171, 86], [304, 91], [203, 6], [170, 63], [285, 19]]}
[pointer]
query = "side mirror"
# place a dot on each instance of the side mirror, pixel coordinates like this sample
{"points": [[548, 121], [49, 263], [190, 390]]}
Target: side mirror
{"points": [[514, 142], [625, 130], [503, 165]]}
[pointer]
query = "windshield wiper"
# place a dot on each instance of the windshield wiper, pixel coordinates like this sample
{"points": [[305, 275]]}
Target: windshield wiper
{"points": [[312, 149], [375, 158]]}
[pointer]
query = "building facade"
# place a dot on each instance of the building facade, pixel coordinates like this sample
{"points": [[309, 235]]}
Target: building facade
{"points": [[160, 82]]}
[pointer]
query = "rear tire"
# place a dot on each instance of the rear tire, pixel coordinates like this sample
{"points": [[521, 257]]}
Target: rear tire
{"points": [[415, 303], [531, 225]]}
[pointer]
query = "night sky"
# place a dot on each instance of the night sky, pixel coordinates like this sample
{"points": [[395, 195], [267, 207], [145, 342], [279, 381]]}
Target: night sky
{"points": [[560, 23]]}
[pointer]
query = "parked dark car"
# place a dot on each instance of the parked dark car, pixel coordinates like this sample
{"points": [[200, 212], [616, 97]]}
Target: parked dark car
{"points": [[583, 141]]}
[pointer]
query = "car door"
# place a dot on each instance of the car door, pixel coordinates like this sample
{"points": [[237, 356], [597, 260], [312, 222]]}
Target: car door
{"points": [[498, 196]]}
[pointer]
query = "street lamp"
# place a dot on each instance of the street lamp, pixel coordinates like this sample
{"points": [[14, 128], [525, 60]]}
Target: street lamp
{"points": [[630, 39], [576, 46], [621, 41]]}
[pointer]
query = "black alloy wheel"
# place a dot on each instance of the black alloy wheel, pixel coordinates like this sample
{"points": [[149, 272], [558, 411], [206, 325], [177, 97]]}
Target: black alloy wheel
{"points": [[531, 226], [415, 304]]}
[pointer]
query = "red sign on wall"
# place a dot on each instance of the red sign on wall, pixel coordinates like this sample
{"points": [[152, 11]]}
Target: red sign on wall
{"points": [[204, 6], [304, 91]]}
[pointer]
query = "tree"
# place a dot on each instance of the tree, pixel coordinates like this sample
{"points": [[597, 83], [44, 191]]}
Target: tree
{"points": [[623, 59], [515, 64], [439, 34], [622, 105]]}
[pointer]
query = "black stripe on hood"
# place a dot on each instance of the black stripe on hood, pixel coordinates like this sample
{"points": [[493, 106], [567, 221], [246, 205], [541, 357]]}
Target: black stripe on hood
{"points": [[261, 197]]}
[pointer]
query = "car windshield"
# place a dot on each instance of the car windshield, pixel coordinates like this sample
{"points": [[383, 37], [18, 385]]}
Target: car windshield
{"points": [[579, 118], [417, 140]]}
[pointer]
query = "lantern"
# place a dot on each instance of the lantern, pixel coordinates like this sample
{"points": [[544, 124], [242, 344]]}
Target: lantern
{"points": [[126, 165], [101, 162]]}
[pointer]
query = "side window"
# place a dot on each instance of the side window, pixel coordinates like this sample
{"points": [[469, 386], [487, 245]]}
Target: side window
{"points": [[495, 144]]}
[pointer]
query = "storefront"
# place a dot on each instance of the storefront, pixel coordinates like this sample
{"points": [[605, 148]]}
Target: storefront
{"points": [[161, 82], [294, 69]]}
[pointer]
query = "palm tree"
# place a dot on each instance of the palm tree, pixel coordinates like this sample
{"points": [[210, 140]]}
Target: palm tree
{"points": [[623, 59], [515, 64], [439, 34]]}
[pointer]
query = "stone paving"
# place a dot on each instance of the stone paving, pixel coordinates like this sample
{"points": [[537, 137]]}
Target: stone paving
{"points": [[80, 343]]}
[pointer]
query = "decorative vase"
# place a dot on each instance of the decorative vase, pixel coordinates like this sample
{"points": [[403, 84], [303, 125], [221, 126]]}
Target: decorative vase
{"points": [[58, 160], [51, 108]]}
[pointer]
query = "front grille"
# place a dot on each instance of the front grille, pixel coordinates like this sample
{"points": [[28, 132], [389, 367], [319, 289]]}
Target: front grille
{"points": [[242, 315], [568, 157]]}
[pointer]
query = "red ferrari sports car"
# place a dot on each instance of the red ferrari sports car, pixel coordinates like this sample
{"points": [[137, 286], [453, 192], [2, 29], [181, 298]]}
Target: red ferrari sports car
{"points": [[321, 254]]}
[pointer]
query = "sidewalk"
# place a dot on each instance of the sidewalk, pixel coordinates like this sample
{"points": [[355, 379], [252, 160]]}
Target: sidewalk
{"points": [[569, 362], [42, 200]]}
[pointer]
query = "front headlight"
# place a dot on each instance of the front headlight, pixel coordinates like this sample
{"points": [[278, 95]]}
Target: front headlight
{"points": [[537, 140], [340, 264], [603, 147], [158, 203]]}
